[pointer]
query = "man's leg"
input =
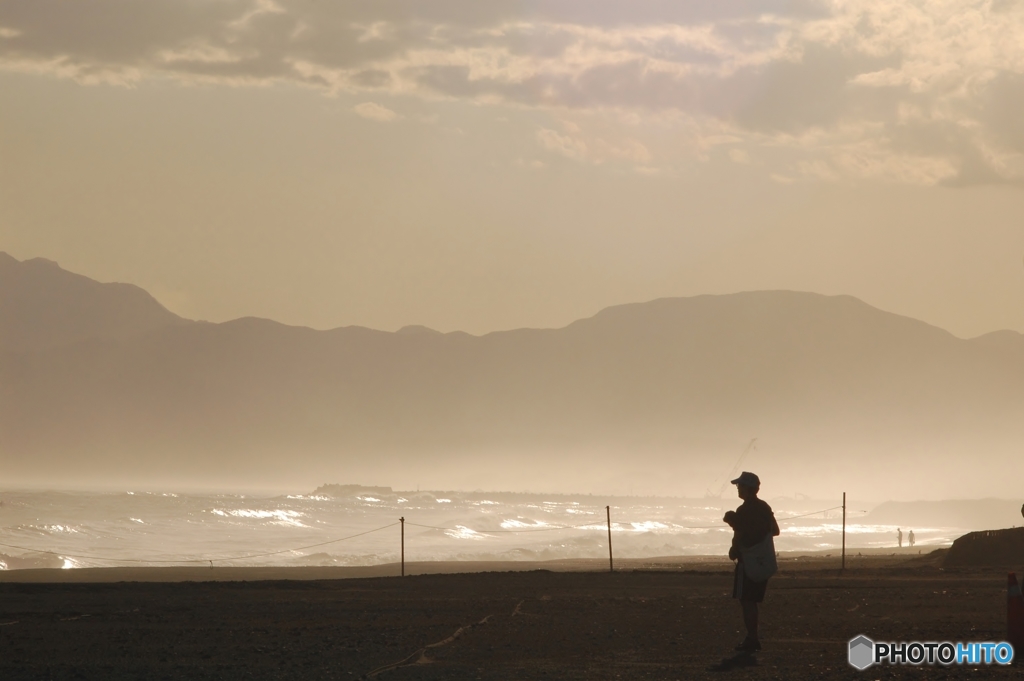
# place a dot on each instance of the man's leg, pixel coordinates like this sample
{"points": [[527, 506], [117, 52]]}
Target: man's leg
{"points": [[750, 618]]}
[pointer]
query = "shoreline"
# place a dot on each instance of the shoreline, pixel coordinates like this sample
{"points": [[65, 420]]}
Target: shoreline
{"points": [[788, 561]]}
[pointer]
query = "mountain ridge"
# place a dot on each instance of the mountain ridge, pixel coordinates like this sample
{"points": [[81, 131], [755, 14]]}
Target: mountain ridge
{"points": [[7, 262], [646, 389], [43, 305]]}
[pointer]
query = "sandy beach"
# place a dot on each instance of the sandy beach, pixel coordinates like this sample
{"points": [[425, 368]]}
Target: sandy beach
{"points": [[662, 619]]}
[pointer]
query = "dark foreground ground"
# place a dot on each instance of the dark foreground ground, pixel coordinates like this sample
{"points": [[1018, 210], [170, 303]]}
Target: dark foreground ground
{"points": [[650, 624]]}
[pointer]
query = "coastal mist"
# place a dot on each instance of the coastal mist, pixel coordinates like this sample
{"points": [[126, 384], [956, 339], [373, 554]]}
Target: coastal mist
{"points": [[92, 529]]}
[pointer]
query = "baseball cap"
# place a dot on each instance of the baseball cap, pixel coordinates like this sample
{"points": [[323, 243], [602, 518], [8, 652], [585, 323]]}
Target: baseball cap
{"points": [[747, 479]]}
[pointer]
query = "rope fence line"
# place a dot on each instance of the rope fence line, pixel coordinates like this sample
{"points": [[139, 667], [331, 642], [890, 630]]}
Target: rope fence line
{"points": [[598, 525], [503, 530], [804, 515], [403, 522]]}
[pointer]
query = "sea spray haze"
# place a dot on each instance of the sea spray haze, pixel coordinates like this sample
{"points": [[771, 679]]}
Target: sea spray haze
{"points": [[87, 529], [657, 397]]}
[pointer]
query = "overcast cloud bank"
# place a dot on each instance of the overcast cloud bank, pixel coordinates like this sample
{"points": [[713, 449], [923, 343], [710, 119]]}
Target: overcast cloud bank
{"points": [[913, 92]]}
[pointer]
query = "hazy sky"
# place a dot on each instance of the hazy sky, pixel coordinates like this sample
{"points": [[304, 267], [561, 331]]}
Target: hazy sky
{"points": [[480, 165]]}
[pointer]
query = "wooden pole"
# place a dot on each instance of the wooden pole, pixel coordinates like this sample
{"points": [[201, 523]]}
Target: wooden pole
{"points": [[611, 565], [402, 520], [844, 531]]}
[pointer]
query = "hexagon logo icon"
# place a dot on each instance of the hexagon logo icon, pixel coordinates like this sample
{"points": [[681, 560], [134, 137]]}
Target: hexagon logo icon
{"points": [[862, 652]]}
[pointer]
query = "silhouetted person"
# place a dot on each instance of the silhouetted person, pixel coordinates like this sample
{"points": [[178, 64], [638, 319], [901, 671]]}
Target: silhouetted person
{"points": [[754, 525], [899, 537], [910, 539]]}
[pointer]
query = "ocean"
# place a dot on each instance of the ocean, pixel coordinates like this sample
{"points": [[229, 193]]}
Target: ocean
{"points": [[351, 526]]}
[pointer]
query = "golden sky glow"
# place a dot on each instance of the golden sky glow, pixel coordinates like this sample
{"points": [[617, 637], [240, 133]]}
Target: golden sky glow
{"points": [[486, 165]]}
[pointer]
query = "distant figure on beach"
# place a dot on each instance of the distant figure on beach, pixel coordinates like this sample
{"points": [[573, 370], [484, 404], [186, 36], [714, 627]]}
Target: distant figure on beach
{"points": [[899, 537], [754, 526], [910, 539]]}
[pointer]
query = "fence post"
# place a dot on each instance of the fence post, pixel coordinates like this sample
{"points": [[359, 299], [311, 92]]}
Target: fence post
{"points": [[402, 520], [844, 532], [608, 512]]}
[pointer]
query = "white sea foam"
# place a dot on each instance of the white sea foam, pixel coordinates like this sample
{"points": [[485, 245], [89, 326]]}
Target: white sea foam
{"points": [[461, 532], [67, 529], [102, 529], [649, 526], [515, 524], [278, 516]]}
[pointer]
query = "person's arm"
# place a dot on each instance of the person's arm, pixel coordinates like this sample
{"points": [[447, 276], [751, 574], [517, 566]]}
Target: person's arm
{"points": [[730, 519]]}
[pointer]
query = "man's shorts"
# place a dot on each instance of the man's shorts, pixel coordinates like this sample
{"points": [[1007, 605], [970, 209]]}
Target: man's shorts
{"points": [[746, 589]]}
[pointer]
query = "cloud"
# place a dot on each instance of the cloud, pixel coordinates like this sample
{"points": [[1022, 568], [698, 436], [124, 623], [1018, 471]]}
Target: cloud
{"points": [[375, 112], [739, 156], [565, 145], [930, 86]]}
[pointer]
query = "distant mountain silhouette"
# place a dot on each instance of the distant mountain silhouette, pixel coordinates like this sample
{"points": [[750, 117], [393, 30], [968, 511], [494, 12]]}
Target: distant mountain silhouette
{"points": [[116, 386], [43, 306], [964, 513]]}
